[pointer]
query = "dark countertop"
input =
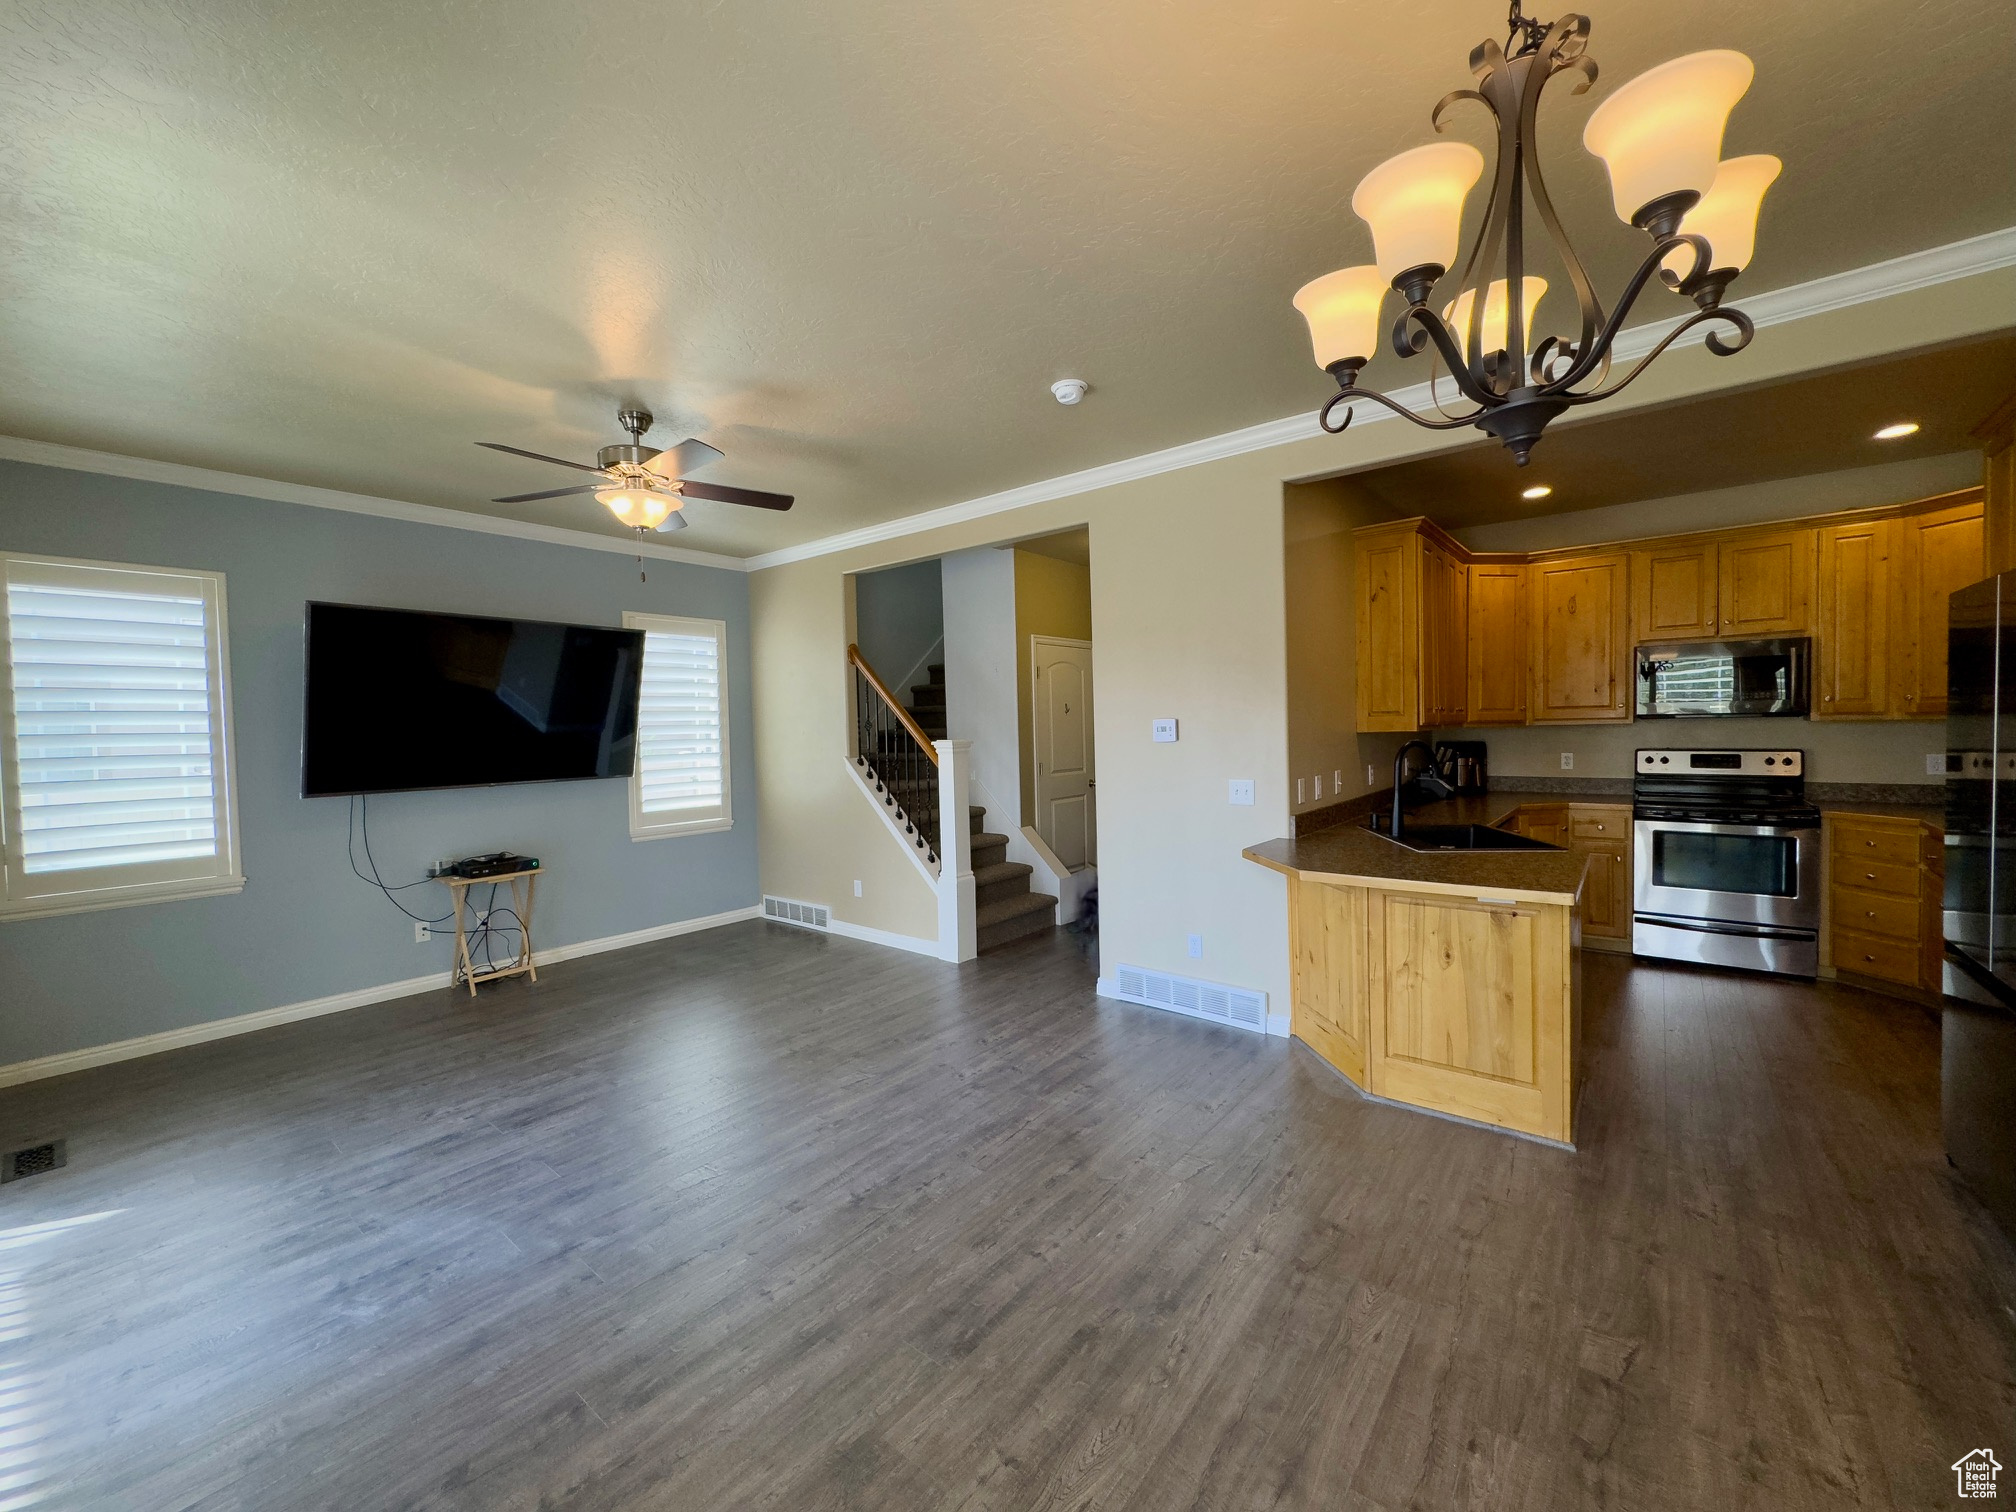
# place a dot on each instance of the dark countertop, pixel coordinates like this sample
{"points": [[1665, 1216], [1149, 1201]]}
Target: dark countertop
{"points": [[1352, 853]]}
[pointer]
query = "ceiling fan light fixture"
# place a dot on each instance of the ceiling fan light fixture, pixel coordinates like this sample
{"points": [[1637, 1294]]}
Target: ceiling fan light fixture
{"points": [[638, 508]]}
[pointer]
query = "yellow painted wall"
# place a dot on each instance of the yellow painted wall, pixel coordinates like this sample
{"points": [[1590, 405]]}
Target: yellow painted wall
{"points": [[1051, 598], [1189, 616], [1320, 576]]}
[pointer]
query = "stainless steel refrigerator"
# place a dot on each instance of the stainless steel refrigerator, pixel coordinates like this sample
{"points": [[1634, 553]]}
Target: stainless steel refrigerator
{"points": [[1978, 1040]]}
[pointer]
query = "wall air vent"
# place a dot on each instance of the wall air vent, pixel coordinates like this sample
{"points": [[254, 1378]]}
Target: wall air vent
{"points": [[787, 911], [1239, 1006]]}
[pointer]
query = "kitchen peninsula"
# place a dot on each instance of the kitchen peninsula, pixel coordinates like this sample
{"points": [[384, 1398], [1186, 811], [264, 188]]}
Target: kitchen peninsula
{"points": [[1445, 980]]}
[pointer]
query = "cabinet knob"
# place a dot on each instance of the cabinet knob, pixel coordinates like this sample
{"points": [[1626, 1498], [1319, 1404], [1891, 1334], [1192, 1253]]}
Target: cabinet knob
{"points": [[1868, 958], [1870, 875]]}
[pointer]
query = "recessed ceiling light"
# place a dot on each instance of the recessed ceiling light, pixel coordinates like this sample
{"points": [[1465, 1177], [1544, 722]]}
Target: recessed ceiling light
{"points": [[1898, 431], [1537, 491]]}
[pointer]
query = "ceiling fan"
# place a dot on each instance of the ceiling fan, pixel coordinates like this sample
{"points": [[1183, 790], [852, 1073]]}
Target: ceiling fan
{"points": [[643, 486]]}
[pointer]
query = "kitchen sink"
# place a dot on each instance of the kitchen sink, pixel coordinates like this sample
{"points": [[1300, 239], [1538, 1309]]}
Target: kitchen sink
{"points": [[1461, 837]]}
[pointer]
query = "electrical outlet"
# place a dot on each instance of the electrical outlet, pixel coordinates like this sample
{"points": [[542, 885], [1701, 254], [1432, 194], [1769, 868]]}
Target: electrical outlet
{"points": [[857, 887], [1195, 944], [1337, 780], [421, 933], [1567, 761], [1301, 790], [1370, 776], [1935, 763], [1239, 790]]}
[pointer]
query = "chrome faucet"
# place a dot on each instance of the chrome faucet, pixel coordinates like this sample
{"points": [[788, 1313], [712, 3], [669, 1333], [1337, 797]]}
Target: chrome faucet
{"points": [[1400, 776]]}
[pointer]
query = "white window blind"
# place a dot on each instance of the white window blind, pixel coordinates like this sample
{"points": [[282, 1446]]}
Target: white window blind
{"points": [[114, 737], [680, 783]]}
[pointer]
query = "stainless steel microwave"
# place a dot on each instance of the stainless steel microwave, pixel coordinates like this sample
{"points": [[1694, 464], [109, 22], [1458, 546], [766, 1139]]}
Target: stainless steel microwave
{"points": [[1725, 679]]}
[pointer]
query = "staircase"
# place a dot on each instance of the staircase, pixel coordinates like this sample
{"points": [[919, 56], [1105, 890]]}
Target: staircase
{"points": [[1004, 907], [902, 771]]}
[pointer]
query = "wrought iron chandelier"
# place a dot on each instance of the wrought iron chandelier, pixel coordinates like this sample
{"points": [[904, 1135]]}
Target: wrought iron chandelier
{"points": [[1660, 137]]}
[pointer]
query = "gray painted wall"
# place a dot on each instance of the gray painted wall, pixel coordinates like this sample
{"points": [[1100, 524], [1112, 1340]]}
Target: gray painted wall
{"points": [[304, 927], [899, 615]]}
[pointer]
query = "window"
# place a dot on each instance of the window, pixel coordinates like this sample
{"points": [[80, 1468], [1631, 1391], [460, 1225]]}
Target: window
{"points": [[115, 738], [680, 785]]}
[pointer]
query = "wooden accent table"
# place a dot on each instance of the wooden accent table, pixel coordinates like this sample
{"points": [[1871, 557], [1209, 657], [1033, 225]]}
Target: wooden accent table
{"points": [[524, 888]]}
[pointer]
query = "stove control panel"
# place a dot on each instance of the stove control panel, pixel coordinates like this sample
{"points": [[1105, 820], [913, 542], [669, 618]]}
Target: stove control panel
{"points": [[1722, 763]]}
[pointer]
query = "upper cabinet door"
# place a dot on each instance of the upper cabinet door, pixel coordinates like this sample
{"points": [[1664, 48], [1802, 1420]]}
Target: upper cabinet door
{"points": [[1766, 584], [1937, 552], [1445, 638], [1851, 622], [1581, 640], [1673, 594], [1389, 639], [1498, 666]]}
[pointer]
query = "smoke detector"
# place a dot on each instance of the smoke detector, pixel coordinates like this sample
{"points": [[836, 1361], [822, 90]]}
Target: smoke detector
{"points": [[1069, 390]]}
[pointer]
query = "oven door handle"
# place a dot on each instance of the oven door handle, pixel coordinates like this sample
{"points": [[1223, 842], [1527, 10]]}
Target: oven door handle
{"points": [[1744, 931]]}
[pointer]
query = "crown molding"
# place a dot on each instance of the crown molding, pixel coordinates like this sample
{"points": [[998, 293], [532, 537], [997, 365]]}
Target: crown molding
{"points": [[1899, 275], [78, 459], [1837, 291]]}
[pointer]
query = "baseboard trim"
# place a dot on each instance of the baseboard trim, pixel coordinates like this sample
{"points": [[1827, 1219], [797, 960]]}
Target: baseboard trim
{"points": [[63, 1063], [881, 937]]}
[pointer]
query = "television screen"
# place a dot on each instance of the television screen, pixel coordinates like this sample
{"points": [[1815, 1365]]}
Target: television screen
{"points": [[400, 699]]}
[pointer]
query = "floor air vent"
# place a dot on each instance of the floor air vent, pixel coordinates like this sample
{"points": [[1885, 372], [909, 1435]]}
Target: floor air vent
{"points": [[33, 1161], [785, 911], [1238, 1006]]}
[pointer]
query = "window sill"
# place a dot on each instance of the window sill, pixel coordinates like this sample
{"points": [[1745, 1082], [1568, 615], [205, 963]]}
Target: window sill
{"points": [[674, 831], [99, 899]]}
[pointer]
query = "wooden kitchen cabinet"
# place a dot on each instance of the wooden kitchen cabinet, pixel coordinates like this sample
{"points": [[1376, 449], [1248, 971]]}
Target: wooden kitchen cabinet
{"points": [[1937, 552], [1497, 651], [1739, 586], [1413, 635], [1673, 594], [1602, 832], [1884, 895], [1765, 584], [1852, 621], [1581, 640]]}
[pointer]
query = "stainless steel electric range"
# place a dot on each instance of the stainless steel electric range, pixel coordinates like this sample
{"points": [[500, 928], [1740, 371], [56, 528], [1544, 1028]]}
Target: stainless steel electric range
{"points": [[1727, 860]]}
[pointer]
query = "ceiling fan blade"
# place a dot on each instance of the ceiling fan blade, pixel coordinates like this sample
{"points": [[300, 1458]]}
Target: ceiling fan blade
{"points": [[721, 493], [519, 451], [673, 521], [687, 456], [551, 493]]}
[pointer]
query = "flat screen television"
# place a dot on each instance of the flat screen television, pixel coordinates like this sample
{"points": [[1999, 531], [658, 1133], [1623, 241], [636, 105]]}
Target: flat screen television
{"points": [[400, 699]]}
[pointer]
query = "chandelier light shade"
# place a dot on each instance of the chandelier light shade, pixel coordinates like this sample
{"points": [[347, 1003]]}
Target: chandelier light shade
{"points": [[1414, 204], [1660, 136], [1342, 309], [1494, 335], [1727, 215], [639, 508]]}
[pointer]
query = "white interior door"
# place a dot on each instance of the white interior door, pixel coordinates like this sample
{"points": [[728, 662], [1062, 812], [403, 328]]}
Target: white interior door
{"points": [[1061, 722]]}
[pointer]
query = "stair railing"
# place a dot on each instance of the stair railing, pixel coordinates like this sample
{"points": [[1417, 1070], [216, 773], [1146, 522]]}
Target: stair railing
{"points": [[895, 755]]}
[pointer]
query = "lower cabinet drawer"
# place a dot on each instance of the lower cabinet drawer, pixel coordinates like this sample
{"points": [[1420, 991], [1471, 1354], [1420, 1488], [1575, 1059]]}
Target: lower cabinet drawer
{"points": [[1859, 842], [1876, 876], [1872, 955], [1883, 914]]}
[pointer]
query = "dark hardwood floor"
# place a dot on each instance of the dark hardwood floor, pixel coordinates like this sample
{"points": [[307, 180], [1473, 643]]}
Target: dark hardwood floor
{"points": [[760, 1218]]}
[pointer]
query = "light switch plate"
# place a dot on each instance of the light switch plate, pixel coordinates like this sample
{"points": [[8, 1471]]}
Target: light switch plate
{"points": [[857, 887], [1319, 784], [1301, 790], [1935, 763], [1239, 790], [1337, 781], [1165, 730], [1196, 946]]}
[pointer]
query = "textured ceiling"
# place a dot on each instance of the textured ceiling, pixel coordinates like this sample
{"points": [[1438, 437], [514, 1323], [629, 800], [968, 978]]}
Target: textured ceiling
{"points": [[851, 244], [1821, 423]]}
